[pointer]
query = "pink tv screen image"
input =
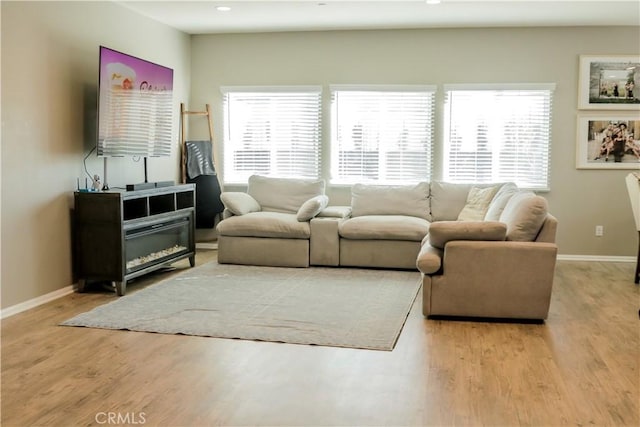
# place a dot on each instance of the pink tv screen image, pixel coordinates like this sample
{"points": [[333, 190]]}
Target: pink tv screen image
{"points": [[128, 72]]}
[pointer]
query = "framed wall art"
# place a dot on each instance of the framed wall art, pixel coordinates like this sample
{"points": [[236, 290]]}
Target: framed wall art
{"points": [[608, 141], [609, 82]]}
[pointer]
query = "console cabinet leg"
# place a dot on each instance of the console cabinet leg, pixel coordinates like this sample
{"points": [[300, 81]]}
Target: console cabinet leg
{"points": [[82, 283], [192, 260], [121, 288]]}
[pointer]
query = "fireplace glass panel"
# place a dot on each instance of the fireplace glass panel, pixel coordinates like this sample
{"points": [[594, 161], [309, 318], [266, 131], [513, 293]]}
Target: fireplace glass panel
{"points": [[155, 244]]}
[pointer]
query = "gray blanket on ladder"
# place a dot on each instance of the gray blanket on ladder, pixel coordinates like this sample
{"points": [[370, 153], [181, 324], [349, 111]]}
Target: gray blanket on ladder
{"points": [[201, 171], [199, 158]]}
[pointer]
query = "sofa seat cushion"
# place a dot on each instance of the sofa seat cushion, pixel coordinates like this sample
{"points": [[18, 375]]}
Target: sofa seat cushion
{"points": [[265, 224], [384, 227]]}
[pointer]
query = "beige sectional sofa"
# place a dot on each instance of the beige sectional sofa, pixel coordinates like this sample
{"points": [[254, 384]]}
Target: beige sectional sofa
{"points": [[483, 250]]}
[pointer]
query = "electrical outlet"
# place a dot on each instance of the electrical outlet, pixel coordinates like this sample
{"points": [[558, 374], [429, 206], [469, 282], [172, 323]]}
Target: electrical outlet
{"points": [[599, 230]]}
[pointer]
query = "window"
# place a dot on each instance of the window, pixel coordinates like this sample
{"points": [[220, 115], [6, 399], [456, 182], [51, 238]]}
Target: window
{"points": [[498, 133], [271, 131], [381, 134]]}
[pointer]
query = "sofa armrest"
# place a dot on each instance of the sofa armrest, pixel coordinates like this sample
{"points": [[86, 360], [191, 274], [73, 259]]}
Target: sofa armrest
{"points": [[442, 232], [429, 259]]}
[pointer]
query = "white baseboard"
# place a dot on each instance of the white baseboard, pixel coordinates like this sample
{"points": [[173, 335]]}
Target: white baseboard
{"points": [[593, 258], [32, 303]]}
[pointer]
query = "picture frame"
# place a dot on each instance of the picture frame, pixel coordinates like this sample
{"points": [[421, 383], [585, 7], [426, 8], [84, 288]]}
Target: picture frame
{"points": [[608, 141], [608, 82]]}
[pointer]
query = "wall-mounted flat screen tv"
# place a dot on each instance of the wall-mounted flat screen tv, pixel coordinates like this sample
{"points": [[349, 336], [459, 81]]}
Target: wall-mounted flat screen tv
{"points": [[135, 106]]}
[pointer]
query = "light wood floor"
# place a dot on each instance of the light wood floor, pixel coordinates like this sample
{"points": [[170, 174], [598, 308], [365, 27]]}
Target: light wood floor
{"points": [[580, 368]]}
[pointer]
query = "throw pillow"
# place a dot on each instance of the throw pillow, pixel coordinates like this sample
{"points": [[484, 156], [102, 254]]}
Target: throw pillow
{"points": [[239, 203], [312, 207], [524, 215], [442, 232], [336, 212], [500, 201], [478, 202]]}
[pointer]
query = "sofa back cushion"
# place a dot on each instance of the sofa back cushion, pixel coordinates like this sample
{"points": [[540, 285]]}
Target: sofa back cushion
{"points": [[447, 200], [410, 200], [524, 215], [283, 194]]}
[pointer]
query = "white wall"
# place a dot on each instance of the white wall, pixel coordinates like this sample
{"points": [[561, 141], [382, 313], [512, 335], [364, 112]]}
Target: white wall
{"points": [[580, 199], [49, 89]]}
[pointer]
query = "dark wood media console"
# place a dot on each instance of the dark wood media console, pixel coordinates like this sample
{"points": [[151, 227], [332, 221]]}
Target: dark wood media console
{"points": [[120, 235]]}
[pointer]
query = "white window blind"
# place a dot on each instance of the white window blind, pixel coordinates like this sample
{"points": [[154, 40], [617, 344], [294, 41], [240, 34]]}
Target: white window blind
{"points": [[381, 134], [271, 131], [498, 133]]}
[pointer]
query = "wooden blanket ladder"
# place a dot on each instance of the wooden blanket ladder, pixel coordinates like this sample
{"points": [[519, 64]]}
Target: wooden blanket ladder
{"points": [[184, 114]]}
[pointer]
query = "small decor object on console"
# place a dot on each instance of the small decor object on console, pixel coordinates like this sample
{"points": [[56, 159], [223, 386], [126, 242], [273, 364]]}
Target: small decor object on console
{"points": [[96, 183]]}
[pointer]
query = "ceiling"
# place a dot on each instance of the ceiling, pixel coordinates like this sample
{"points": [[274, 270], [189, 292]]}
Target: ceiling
{"points": [[202, 17]]}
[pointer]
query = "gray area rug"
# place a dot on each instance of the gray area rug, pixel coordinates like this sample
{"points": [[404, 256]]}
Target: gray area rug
{"points": [[340, 307]]}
